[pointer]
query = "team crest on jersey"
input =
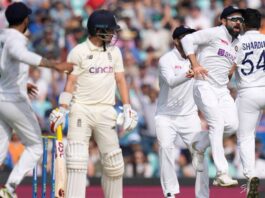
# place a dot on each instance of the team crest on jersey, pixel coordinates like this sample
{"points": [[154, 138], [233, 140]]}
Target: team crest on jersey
{"points": [[236, 48], [109, 56], [178, 67], [89, 57]]}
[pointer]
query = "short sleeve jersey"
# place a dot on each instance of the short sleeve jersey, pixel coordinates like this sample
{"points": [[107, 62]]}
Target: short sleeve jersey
{"points": [[95, 70]]}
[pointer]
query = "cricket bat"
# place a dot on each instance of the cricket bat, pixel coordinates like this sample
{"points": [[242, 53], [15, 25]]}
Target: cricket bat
{"points": [[60, 166]]}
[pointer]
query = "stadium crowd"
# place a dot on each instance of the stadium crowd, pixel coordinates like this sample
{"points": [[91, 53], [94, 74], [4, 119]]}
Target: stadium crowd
{"points": [[57, 26]]}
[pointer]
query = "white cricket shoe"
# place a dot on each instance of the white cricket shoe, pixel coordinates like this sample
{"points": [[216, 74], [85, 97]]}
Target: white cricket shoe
{"points": [[4, 193], [197, 158], [252, 187], [224, 180]]}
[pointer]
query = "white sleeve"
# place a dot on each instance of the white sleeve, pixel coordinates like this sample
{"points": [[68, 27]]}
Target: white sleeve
{"points": [[19, 51], [119, 67], [191, 41], [74, 57], [167, 73]]}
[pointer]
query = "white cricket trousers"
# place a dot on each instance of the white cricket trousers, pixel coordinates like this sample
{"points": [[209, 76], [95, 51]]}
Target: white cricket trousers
{"points": [[19, 116], [99, 121], [250, 104], [220, 113], [168, 129]]}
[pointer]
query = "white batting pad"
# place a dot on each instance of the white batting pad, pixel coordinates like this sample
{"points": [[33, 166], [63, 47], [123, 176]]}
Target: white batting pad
{"points": [[77, 162], [113, 167], [76, 184], [77, 155], [113, 164]]}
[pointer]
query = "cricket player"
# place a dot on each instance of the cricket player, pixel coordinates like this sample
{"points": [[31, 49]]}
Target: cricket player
{"points": [[215, 56], [250, 79], [177, 114], [15, 110], [90, 89]]}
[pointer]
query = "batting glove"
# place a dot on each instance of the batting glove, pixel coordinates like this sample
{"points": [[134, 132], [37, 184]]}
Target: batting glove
{"points": [[56, 118], [128, 118]]}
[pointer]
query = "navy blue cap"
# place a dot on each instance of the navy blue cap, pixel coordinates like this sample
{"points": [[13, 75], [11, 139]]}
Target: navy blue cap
{"points": [[181, 30], [102, 19], [17, 12], [230, 10]]}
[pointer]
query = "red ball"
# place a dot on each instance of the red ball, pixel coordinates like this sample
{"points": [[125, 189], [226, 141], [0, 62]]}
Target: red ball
{"points": [[95, 4]]}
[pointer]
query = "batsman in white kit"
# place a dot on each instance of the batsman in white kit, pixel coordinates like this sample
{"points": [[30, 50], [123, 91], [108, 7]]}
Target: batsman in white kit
{"points": [[250, 79], [90, 89], [215, 56], [15, 110], [177, 114]]}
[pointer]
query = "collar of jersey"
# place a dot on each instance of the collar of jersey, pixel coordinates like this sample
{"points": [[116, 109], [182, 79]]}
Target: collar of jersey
{"points": [[92, 47], [177, 53], [227, 33], [252, 32], [17, 33]]}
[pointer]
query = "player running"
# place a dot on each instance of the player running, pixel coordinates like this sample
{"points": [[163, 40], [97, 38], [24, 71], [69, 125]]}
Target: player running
{"points": [[215, 57], [250, 79], [15, 110]]}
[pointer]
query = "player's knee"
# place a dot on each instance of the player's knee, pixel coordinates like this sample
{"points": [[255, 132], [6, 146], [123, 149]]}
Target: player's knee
{"points": [[113, 164], [77, 156], [166, 145], [36, 150]]}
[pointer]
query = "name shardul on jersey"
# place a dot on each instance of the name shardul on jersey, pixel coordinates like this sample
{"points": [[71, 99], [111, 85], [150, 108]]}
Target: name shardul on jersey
{"points": [[253, 45]]}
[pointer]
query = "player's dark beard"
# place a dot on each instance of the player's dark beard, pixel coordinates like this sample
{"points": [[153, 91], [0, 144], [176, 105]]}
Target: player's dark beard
{"points": [[232, 32], [26, 27]]}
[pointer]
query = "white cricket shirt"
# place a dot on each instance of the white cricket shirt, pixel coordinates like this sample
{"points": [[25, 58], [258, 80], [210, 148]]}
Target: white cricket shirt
{"points": [[96, 70], [216, 52], [251, 60], [176, 91], [14, 61]]}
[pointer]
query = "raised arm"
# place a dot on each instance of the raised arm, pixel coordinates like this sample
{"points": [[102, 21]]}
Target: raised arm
{"points": [[190, 42], [19, 51]]}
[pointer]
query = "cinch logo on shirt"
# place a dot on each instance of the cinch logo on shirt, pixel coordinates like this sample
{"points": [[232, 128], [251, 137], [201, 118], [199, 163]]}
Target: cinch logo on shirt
{"points": [[97, 70], [222, 52], [178, 67]]}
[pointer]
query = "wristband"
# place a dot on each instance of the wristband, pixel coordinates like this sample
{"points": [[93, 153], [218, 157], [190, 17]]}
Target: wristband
{"points": [[65, 98], [126, 107]]}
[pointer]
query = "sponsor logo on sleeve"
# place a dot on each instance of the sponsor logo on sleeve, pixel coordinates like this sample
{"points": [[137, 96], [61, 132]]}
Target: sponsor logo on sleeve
{"points": [[178, 67], [109, 56], [79, 122]]}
